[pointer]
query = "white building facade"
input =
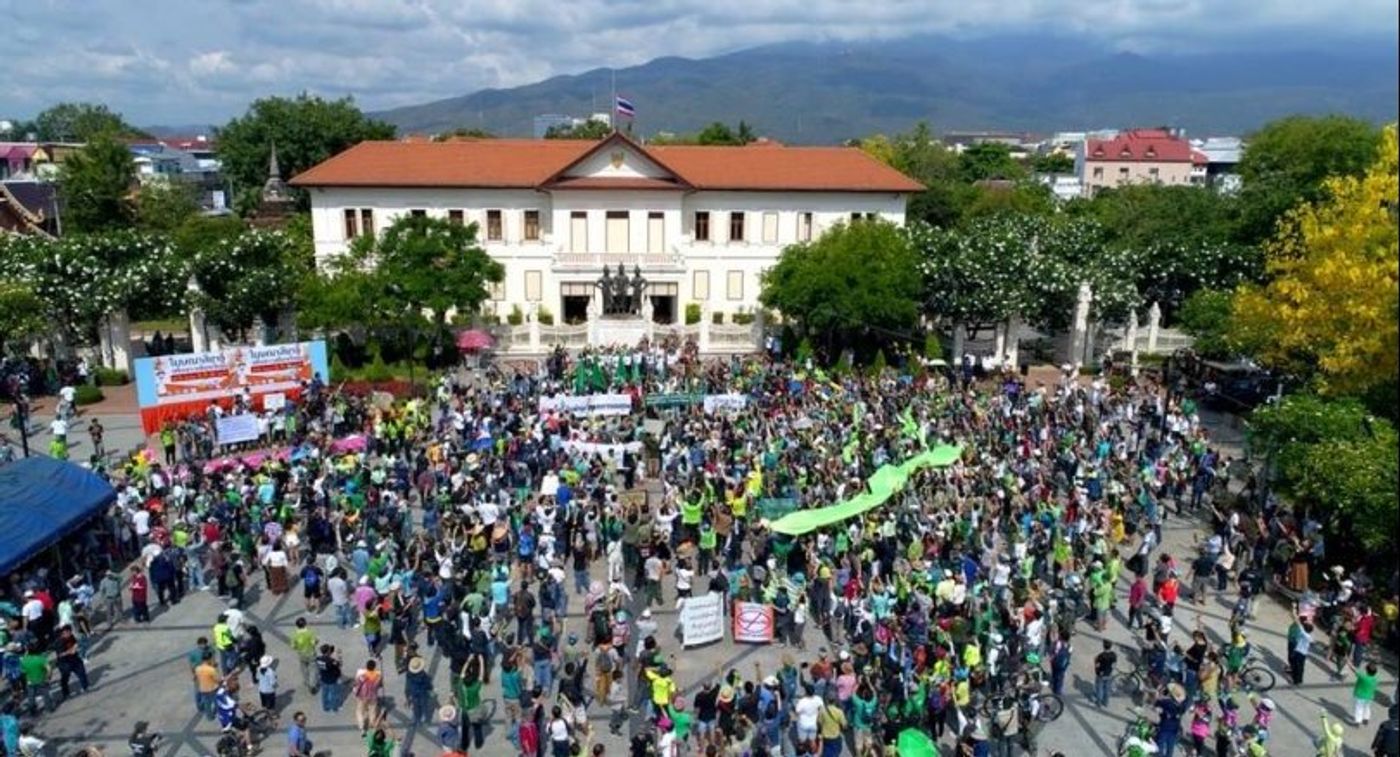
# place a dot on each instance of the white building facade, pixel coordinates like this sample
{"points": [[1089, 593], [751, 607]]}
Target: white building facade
{"points": [[701, 224]]}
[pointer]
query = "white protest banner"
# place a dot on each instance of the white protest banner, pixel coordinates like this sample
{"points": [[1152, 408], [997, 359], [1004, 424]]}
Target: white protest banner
{"points": [[235, 429], [715, 403], [274, 401], [702, 619], [615, 451], [588, 404], [753, 623]]}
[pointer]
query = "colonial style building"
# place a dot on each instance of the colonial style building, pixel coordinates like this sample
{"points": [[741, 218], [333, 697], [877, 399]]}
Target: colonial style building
{"points": [[701, 223]]}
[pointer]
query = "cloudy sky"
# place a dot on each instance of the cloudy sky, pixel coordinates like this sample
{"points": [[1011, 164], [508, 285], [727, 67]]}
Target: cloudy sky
{"points": [[194, 61]]}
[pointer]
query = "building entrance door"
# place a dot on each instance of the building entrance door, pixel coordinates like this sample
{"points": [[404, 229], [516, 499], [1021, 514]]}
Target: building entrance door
{"points": [[663, 308], [573, 301]]}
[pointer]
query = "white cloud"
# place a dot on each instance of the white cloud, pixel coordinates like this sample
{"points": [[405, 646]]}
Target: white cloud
{"points": [[189, 60]]}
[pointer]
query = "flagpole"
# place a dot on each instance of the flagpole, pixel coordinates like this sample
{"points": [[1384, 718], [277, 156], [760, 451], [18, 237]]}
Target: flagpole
{"points": [[612, 105]]}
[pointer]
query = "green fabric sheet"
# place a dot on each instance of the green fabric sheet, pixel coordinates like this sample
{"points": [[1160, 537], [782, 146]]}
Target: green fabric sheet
{"points": [[886, 482], [916, 743]]}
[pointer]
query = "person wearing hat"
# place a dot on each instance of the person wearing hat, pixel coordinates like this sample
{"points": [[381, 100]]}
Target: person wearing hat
{"points": [[266, 678], [418, 689], [448, 736], [1170, 710]]}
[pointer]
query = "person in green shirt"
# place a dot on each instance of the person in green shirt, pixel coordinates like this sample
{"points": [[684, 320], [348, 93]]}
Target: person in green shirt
{"points": [[380, 741], [680, 719], [863, 705], [34, 668], [467, 691], [305, 644], [1363, 693]]}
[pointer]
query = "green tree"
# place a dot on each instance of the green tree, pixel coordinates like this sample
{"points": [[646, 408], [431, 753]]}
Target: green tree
{"points": [[718, 134], [919, 155], [1052, 163], [306, 130], [1205, 315], [96, 184], [81, 122], [21, 315], [590, 129], [974, 275], [164, 206], [1023, 198], [989, 160], [1337, 460], [852, 279], [1287, 162], [253, 275], [464, 132], [408, 278], [1138, 215]]}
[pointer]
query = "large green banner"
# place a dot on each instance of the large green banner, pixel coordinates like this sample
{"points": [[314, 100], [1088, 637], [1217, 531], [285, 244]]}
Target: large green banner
{"points": [[886, 482], [672, 400]]}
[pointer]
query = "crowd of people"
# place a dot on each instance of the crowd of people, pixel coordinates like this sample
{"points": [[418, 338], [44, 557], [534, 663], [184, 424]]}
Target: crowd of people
{"points": [[475, 522]]}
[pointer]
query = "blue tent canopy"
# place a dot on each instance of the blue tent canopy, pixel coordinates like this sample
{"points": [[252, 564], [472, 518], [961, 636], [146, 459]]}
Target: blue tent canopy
{"points": [[43, 500]]}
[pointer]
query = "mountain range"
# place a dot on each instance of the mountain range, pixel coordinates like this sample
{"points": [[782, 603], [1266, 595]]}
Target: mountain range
{"points": [[823, 92]]}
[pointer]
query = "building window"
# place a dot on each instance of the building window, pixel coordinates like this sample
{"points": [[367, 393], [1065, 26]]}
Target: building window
{"points": [[855, 217], [618, 232], [532, 225], [418, 213], [578, 231], [734, 285], [770, 228], [804, 227], [736, 226], [702, 226], [1122, 174], [1098, 172], [454, 216], [656, 233], [700, 285], [494, 232], [349, 224], [534, 286], [367, 221], [1153, 172], [497, 290]]}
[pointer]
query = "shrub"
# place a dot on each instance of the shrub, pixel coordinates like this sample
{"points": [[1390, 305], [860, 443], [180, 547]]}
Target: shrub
{"points": [[743, 319], [87, 394], [843, 366], [805, 351], [933, 349], [546, 317], [878, 365], [516, 316], [717, 318], [338, 370], [111, 377], [692, 313], [377, 371]]}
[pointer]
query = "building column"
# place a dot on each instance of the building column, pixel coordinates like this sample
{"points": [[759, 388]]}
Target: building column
{"points": [[1013, 342], [1132, 342], [999, 344], [595, 310], [199, 336], [959, 342], [287, 326], [259, 333], [1080, 329], [1154, 325], [118, 328]]}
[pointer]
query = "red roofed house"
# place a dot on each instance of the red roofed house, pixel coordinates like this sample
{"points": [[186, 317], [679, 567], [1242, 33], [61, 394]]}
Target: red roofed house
{"points": [[701, 223], [1139, 156]]}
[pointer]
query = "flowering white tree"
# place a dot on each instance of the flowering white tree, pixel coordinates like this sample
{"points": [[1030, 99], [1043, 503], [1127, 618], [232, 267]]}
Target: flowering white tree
{"points": [[249, 277], [82, 279]]}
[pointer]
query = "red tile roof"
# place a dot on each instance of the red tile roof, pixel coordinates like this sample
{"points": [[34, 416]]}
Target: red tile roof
{"points": [[1146, 145], [530, 163]]}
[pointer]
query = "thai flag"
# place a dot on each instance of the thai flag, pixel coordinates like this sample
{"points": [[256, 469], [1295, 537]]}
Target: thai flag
{"points": [[624, 107]]}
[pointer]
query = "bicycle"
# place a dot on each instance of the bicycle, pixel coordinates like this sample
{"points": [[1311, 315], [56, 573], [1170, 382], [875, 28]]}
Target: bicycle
{"points": [[257, 723], [1138, 736], [1257, 677], [1045, 706]]}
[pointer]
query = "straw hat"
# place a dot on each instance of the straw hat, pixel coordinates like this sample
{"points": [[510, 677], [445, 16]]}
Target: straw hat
{"points": [[726, 694], [1177, 691], [266, 661], [447, 713], [417, 665]]}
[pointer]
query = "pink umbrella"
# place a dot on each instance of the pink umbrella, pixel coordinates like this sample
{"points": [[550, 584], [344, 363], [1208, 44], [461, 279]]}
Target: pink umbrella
{"points": [[474, 339]]}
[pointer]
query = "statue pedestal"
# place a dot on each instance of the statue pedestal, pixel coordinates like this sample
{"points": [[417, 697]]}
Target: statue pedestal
{"points": [[624, 330]]}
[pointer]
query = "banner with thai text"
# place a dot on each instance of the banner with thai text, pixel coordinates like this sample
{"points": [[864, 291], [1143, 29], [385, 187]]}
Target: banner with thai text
{"points": [[702, 619], [170, 387], [236, 429], [716, 403], [588, 404]]}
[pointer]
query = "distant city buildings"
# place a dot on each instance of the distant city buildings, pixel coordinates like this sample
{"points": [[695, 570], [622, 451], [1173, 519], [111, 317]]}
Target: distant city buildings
{"points": [[546, 121], [1139, 156]]}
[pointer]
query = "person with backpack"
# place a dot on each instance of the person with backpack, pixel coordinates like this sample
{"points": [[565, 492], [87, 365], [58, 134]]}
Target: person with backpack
{"points": [[312, 585], [368, 684]]}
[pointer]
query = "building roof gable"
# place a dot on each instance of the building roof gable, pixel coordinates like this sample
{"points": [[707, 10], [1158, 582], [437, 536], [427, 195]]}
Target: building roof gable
{"points": [[540, 164], [1144, 145]]}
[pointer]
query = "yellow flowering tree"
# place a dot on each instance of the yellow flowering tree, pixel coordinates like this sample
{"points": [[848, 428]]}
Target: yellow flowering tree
{"points": [[1329, 310]]}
